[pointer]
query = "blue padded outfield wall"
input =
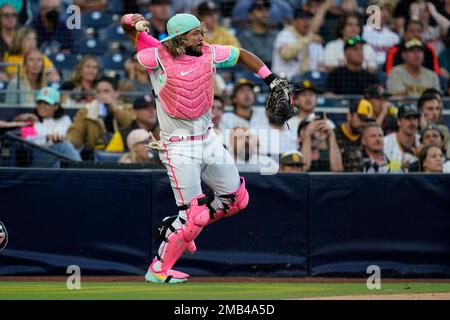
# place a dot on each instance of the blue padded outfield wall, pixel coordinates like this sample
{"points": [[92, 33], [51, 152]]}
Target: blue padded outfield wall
{"points": [[295, 225]]}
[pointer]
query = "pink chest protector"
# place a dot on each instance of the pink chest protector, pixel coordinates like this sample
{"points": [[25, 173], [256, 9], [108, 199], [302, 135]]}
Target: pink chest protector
{"points": [[189, 89]]}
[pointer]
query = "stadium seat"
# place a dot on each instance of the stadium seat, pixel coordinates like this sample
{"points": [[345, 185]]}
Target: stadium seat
{"points": [[90, 46], [316, 77], [64, 61], [249, 75], [382, 78], [113, 61], [107, 157], [96, 19], [113, 33], [444, 84]]}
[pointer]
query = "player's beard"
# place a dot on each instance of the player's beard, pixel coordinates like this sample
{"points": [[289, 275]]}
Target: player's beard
{"points": [[194, 51]]}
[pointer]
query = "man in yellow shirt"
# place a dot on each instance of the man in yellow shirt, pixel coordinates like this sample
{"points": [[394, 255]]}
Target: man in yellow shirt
{"points": [[209, 14]]}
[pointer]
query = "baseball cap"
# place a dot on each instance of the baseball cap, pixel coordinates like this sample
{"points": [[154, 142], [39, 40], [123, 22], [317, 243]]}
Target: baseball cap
{"points": [[376, 91], [240, 83], [364, 109], [353, 41], [291, 158], [49, 95], [305, 85], [301, 13], [144, 102], [180, 24], [413, 43], [207, 7], [136, 136], [407, 110], [259, 4]]}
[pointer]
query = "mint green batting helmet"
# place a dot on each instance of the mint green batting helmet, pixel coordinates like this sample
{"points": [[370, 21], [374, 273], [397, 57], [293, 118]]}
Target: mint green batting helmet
{"points": [[181, 23]]}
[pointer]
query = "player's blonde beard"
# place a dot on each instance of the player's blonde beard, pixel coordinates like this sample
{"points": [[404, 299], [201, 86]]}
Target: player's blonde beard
{"points": [[177, 45]]}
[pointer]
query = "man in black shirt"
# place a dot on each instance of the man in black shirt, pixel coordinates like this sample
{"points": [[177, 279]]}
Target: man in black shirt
{"points": [[160, 13], [351, 78], [348, 134]]}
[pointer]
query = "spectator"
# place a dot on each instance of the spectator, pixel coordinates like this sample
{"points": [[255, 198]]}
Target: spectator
{"points": [[137, 79], [280, 11], [276, 138], [352, 160], [319, 146], [383, 38], [139, 153], [82, 81], [217, 111], [432, 136], [291, 162], [25, 41], [244, 114], [351, 78], [52, 34], [431, 34], [97, 124], [8, 25], [297, 47], [258, 38], [444, 58], [431, 160], [305, 99], [411, 78], [160, 13], [402, 146], [244, 149], [349, 26], [431, 106], [210, 15], [383, 110], [144, 109], [50, 125], [375, 161], [413, 30], [33, 78], [348, 134]]}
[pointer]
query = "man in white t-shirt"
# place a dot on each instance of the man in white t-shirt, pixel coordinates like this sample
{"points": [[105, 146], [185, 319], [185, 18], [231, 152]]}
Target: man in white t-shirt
{"points": [[403, 145], [297, 48], [381, 39]]}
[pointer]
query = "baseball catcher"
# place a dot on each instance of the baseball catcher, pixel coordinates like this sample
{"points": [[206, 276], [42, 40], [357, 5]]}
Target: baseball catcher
{"points": [[181, 69]]}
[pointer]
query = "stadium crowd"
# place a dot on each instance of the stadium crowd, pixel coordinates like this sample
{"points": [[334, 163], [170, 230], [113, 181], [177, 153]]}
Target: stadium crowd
{"points": [[392, 65]]}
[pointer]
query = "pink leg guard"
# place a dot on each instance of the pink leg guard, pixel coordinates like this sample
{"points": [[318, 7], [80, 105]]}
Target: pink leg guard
{"points": [[177, 240], [239, 201]]}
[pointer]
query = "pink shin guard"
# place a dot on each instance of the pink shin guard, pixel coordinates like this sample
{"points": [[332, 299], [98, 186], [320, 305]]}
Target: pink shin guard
{"points": [[177, 240], [239, 201]]}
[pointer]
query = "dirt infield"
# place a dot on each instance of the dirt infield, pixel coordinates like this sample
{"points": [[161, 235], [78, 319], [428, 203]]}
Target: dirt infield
{"points": [[221, 279]]}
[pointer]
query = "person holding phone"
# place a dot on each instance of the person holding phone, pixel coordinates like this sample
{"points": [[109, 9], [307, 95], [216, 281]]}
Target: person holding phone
{"points": [[305, 99]]}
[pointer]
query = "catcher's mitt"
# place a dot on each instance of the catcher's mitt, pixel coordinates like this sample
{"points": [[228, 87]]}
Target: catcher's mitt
{"points": [[278, 104]]}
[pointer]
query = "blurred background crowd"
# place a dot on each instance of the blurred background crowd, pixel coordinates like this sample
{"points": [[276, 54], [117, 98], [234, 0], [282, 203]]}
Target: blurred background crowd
{"points": [[370, 80]]}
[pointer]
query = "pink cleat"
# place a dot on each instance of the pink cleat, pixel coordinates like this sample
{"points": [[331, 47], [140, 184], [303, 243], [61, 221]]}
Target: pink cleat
{"points": [[170, 276]]}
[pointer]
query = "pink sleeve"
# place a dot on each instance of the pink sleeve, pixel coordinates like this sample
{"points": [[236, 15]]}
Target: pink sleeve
{"points": [[144, 41]]}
